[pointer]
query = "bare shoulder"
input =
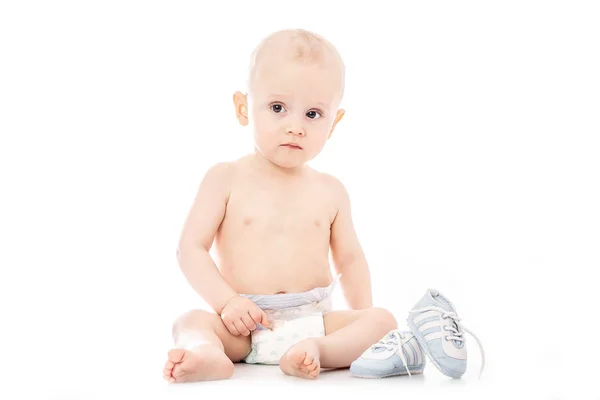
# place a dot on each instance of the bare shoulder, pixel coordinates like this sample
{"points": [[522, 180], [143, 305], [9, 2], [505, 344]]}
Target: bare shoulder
{"points": [[336, 192], [230, 175], [333, 185], [221, 169], [221, 173], [219, 178]]}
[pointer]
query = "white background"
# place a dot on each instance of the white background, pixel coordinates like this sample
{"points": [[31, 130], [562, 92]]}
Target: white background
{"points": [[470, 151]]}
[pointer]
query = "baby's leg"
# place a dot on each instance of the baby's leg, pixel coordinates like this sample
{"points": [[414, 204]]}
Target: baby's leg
{"points": [[204, 349], [348, 334]]}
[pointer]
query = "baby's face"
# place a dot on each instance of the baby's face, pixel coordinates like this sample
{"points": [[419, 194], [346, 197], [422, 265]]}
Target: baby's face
{"points": [[293, 110]]}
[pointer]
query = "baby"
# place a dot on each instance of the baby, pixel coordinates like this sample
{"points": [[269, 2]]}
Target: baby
{"points": [[274, 220]]}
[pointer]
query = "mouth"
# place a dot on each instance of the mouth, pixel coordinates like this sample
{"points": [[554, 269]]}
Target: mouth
{"points": [[292, 146]]}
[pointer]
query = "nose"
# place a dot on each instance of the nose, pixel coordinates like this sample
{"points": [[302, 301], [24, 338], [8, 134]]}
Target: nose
{"points": [[295, 130]]}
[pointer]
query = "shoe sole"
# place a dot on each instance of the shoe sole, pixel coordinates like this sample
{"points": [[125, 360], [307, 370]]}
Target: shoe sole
{"points": [[425, 347], [361, 374]]}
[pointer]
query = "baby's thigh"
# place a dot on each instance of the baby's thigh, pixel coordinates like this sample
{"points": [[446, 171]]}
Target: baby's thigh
{"points": [[335, 320], [236, 347]]}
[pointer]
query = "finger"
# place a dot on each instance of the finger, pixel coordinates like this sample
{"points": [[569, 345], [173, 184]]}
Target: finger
{"points": [[232, 329], [229, 325], [249, 322], [241, 327], [256, 315], [264, 320]]}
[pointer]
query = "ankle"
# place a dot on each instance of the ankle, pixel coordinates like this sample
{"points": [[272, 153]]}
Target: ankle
{"points": [[192, 341], [204, 348], [312, 343]]}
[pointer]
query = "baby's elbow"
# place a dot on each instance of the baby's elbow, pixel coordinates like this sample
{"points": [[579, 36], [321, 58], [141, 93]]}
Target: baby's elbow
{"points": [[181, 252], [188, 249]]}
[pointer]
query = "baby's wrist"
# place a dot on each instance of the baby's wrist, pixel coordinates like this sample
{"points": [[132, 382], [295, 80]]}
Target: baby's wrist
{"points": [[227, 302]]}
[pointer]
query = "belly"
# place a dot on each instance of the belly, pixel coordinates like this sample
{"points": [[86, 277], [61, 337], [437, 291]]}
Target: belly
{"points": [[268, 257]]}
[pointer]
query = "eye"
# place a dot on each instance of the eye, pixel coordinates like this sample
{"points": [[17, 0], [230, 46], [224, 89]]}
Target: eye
{"points": [[277, 108], [314, 114]]}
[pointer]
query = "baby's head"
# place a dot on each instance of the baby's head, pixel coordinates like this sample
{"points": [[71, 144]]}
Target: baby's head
{"points": [[295, 87]]}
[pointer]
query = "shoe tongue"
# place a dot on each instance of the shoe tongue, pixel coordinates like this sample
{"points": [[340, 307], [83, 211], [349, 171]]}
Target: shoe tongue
{"points": [[387, 339], [441, 300], [446, 305], [379, 349]]}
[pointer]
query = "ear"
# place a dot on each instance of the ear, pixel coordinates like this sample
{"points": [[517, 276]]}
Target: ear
{"points": [[338, 117], [240, 101]]}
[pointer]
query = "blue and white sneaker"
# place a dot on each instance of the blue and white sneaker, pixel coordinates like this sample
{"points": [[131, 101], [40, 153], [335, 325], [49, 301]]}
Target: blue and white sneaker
{"points": [[397, 353], [436, 326]]}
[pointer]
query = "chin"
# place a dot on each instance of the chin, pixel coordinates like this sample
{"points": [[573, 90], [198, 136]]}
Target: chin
{"points": [[284, 160], [289, 163]]}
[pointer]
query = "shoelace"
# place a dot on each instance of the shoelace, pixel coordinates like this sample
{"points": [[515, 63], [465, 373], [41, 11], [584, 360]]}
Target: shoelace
{"points": [[456, 334], [395, 338]]}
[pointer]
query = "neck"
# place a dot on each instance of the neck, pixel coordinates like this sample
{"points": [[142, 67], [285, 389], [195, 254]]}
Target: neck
{"points": [[273, 169]]}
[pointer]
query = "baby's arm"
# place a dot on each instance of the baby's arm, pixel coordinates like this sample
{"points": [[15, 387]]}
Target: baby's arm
{"points": [[198, 234], [347, 254], [239, 314]]}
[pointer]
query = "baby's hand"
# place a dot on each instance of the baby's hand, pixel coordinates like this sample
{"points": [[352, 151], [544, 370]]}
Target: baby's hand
{"points": [[241, 315]]}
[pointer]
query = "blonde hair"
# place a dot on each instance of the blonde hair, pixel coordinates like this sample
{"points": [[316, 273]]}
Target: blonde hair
{"points": [[297, 45]]}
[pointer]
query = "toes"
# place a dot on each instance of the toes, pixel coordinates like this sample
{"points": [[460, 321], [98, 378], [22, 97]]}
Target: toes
{"points": [[309, 367], [178, 375], [313, 370], [176, 355], [310, 374], [298, 358], [166, 374], [168, 369], [301, 364]]}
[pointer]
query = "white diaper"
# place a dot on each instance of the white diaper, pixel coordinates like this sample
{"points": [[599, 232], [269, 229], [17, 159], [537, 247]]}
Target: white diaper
{"points": [[293, 317]]}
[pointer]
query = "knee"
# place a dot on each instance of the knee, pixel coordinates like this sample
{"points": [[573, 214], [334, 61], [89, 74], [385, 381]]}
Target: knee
{"points": [[195, 319], [383, 319]]}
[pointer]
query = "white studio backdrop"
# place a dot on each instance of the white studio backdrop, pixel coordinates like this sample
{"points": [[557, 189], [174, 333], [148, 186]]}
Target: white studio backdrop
{"points": [[470, 150]]}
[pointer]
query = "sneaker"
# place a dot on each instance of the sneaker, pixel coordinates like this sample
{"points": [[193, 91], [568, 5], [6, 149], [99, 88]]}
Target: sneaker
{"points": [[437, 328], [397, 353]]}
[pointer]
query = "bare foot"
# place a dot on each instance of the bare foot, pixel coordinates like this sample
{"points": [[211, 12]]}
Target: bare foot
{"points": [[206, 363], [302, 360]]}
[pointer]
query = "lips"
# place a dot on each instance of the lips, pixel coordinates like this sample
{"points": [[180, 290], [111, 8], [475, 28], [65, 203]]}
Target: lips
{"points": [[292, 146]]}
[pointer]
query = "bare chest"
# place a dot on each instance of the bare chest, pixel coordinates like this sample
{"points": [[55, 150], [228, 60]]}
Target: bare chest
{"points": [[267, 211]]}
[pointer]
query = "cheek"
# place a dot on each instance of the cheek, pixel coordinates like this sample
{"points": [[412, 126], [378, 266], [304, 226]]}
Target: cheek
{"points": [[320, 130], [316, 139], [265, 130], [263, 123]]}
